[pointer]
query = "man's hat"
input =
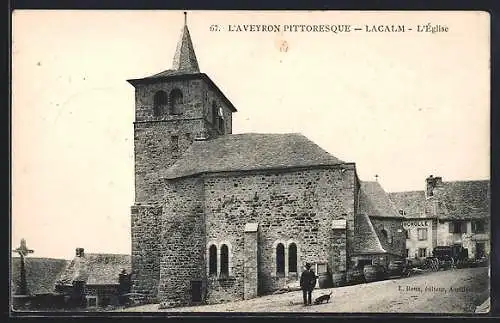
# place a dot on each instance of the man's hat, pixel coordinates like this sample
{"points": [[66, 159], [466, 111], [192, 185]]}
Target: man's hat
{"points": [[308, 265]]}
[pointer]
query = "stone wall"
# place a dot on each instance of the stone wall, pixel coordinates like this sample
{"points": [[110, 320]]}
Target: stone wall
{"points": [[145, 229], [182, 241], [290, 206], [395, 240], [154, 149]]}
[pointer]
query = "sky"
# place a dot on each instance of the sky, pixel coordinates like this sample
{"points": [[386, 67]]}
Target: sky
{"points": [[400, 105]]}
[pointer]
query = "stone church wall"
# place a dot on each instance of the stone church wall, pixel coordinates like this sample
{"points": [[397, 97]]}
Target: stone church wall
{"points": [[182, 242], [296, 206], [145, 249]]}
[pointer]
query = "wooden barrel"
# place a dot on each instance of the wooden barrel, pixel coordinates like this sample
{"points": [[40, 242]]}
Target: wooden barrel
{"points": [[355, 276], [371, 273], [325, 280], [339, 279]]}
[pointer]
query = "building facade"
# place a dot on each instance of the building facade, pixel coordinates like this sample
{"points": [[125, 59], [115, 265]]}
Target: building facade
{"points": [[446, 214], [221, 216]]}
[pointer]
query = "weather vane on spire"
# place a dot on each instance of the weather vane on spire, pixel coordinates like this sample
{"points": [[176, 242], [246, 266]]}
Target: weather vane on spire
{"points": [[185, 18], [376, 177]]}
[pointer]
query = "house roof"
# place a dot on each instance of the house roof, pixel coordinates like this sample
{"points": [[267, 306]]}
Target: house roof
{"points": [[41, 274], [454, 200], [464, 199], [366, 240], [96, 269], [250, 151], [411, 202], [374, 201]]}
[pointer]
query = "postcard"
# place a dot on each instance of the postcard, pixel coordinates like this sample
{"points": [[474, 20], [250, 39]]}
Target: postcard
{"points": [[250, 161]]}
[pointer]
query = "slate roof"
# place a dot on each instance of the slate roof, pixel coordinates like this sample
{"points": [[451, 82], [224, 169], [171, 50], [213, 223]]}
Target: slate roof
{"points": [[465, 199], [96, 269], [41, 274], [366, 241], [411, 202], [455, 200], [250, 151], [184, 61], [374, 201]]}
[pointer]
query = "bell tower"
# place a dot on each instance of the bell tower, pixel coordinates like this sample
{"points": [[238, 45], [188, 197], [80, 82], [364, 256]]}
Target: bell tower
{"points": [[173, 108]]}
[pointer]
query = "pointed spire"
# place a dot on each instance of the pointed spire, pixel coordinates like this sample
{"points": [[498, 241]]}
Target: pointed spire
{"points": [[185, 58]]}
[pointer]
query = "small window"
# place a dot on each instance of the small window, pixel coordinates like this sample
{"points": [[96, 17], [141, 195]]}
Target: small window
{"points": [[292, 258], [402, 212], [176, 101], [280, 259], [174, 143], [160, 103], [212, 260], [407, 234], [407, 253], [224, 260], [422, 252], [422, 234], [91, 301], [478, 226], [458, 227]]}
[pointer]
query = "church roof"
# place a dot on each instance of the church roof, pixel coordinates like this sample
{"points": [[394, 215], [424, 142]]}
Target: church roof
{"points": [[366, 241], [455, 200], [185, 61], [41, 274], [249, 151], [374, 201], [96, 269], [184, 66]]}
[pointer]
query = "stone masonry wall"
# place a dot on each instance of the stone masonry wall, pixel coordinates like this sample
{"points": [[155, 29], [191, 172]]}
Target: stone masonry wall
{"points": [[395, 242], [183, 241], [153, 146], [154, 152], [145, 249], [296, 206]]}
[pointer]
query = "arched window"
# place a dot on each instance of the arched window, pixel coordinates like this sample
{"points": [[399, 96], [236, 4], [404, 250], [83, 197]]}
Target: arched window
{"points": [[407, 234], [224, 260], [280, 259], [292, 258], [212, 260], [214, 114], [160, 103], [176, 101]]}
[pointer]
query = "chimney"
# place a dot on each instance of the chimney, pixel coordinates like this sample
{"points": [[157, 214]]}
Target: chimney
{"points": [[431, 184], [80, 252]]}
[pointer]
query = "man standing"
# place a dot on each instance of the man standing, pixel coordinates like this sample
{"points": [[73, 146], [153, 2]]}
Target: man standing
{"points": [[307, 283]]}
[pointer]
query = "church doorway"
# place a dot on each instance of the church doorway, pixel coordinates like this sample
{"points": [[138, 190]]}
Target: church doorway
{"points": [[196, 291]]}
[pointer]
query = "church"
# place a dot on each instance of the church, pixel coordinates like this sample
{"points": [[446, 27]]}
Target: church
{"points": [[222, 217]]}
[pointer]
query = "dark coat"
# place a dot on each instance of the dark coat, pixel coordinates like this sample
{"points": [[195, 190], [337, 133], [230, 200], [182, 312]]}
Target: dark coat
{"points": [[308, 280]]}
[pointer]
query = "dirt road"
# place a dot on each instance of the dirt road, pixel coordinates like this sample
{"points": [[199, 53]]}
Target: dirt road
{"points": [[452, 291]]}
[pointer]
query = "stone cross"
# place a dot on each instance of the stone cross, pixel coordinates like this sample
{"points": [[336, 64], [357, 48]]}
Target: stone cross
{"points": [[23, 251]]}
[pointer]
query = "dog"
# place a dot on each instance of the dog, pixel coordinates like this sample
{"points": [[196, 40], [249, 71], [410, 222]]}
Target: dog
{"points": [[323, 298]]}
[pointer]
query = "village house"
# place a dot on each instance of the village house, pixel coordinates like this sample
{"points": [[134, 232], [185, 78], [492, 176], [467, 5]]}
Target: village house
{"points": [[95, 279], [35, 288], [221, 217], [89, 280], [453, 213]]}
